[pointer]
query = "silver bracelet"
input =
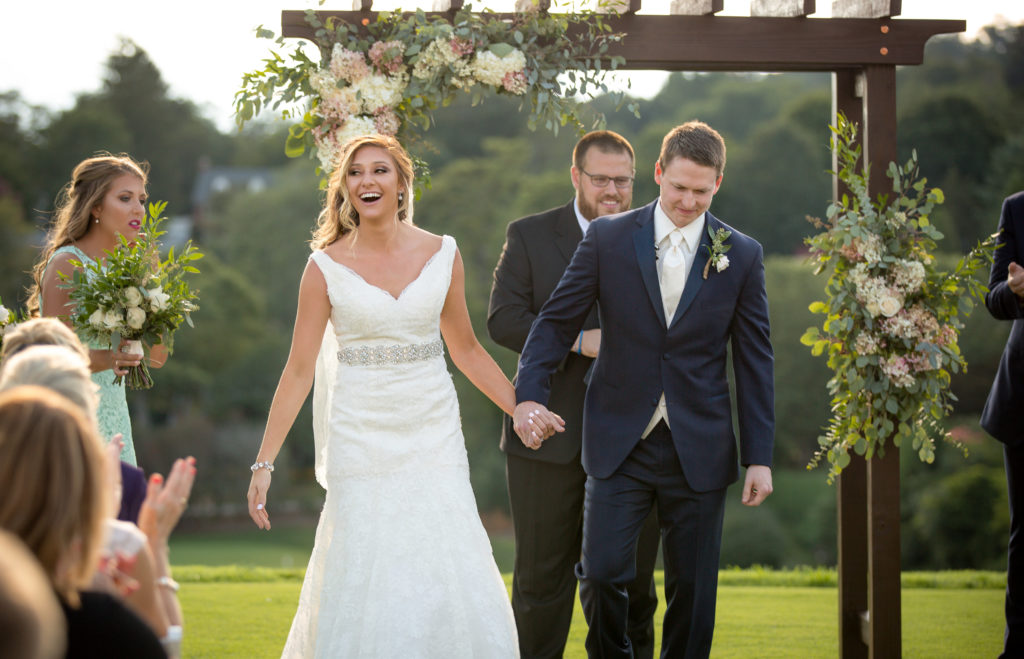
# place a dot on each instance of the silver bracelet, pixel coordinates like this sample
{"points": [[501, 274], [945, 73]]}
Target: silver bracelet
{"points": [[269, 466], [168, 583]]}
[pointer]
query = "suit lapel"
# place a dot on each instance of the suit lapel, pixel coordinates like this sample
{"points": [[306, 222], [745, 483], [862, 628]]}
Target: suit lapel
{"points": [[567, 232], [696, 276], [643, 243]]}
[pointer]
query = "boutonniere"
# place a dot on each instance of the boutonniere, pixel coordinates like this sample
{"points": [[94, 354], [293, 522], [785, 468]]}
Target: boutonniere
{"points": [[717, 250]]}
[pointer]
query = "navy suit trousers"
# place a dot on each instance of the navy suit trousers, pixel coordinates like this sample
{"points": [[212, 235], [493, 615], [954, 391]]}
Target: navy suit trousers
{"points": [[691, 524]]}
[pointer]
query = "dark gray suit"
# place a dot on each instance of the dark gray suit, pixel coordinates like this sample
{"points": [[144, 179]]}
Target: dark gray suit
{"points": [[546, 486]]}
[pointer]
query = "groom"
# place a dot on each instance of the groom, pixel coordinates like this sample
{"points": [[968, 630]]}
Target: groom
{"points": [[657, 425]]}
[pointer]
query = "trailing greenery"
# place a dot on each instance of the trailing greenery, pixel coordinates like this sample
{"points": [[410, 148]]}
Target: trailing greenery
{"points": [[386, 76], [893, 319]]}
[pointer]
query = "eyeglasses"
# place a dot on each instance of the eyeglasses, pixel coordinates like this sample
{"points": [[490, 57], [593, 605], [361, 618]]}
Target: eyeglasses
{"points": [[600, 180]]}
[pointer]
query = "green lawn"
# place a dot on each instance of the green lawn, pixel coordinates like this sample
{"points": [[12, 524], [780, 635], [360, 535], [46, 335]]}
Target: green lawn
{"points": [[244, 607], [240, 612]]}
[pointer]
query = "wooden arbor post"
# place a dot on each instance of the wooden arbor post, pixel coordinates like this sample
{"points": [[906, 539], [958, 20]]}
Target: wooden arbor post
{"points": [[861, 45]]}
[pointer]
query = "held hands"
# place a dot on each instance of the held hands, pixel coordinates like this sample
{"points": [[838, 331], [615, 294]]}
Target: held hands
{"points": [[757, 486], [534, 423], [1015, 279], [257, 496]]}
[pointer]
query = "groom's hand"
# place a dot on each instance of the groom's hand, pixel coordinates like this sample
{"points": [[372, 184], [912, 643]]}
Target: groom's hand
{"points": [[757, 486], [534, 423]]}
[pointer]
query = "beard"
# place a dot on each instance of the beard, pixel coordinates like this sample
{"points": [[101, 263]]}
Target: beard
{"points": [[591, 211]]}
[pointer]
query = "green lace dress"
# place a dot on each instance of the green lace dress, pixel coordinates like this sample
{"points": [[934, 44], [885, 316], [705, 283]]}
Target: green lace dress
{"points": [[113, 408]]}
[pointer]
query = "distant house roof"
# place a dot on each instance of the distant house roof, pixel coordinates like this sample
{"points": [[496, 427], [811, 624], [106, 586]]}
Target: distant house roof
{"points": [[215, 180]]}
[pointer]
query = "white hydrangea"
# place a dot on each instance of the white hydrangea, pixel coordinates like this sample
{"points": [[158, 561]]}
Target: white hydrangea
{"points": [[490, 69], [438, 54], [377, 91], [908, 275]]}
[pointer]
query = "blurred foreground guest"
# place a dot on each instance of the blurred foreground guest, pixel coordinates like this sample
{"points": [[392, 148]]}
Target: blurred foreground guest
{"points": [[134, 562], [31, 622], [54, 496], [50, 331]]}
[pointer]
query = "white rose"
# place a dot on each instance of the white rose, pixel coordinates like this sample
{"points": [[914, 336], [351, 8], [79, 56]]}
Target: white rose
{"points": [[5, 315], [132, 296], [112, 319], [158, 299], [96, 319], [136, 317], [889, 306], [872, 308], [721, 263]]}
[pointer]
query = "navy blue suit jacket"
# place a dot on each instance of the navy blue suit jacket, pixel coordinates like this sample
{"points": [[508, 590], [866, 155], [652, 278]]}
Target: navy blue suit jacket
{"points": [[1001, 416], [643, 355]]}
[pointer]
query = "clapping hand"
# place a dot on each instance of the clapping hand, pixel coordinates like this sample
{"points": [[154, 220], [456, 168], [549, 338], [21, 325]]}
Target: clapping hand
{"points": [[534, 423], [165, 503]]}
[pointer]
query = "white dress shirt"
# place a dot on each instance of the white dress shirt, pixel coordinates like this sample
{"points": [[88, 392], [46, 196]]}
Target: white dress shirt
{"points": [[691, 233]]}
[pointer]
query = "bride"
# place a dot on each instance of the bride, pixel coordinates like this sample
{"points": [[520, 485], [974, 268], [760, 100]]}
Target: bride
{"points": [[401, 566]]}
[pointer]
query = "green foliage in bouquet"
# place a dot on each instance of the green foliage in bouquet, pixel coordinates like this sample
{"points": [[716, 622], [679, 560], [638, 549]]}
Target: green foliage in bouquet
{"points": [[893, 319], [135, 295], [8, 318]]}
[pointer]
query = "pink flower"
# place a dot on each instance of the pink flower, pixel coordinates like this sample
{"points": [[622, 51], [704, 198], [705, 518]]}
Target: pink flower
{"points": [[386, 121], [461, 46], [515, 82], [387, 55]]}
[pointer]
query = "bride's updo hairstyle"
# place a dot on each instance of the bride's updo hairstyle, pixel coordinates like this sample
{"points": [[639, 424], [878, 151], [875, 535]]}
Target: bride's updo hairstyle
{"points": [[90, 182], [339, 216]]}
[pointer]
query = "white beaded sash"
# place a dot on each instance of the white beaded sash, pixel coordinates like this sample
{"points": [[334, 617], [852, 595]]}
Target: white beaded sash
{"points": [[391, 354]]}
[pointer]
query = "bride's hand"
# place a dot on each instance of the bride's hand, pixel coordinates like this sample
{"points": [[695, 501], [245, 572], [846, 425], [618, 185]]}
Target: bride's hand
{"points": [[258, 486]]}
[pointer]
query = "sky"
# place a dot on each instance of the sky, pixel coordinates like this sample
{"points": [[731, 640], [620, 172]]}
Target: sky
{"points": [[52, 51]]}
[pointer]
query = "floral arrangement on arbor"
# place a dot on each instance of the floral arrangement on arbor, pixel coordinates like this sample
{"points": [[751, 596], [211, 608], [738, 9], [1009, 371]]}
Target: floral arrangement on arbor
{"points": [[893, 318], [386, 76], [135, 295]]}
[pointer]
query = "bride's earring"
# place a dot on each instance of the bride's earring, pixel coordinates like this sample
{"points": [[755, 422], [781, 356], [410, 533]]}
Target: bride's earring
{"points": [[401, 197]]}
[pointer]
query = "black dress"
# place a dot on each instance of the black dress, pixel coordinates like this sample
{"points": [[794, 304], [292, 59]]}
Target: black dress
{"points": [[104, 627]]}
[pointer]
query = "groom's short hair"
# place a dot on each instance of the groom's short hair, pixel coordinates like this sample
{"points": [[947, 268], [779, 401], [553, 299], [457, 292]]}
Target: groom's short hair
{"points": [[605, 141], [696, 141]]}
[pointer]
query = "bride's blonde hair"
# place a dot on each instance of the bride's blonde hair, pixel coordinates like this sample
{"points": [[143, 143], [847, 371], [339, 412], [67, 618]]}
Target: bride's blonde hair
{"points": [[339, 216]]}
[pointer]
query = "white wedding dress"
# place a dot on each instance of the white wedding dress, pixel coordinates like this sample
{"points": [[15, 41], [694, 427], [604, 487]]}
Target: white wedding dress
{"points": [[402, 566]]}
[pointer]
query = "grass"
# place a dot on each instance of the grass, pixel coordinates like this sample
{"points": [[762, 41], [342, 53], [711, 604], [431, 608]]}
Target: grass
{"points": [[238, 611], [240, 589]]}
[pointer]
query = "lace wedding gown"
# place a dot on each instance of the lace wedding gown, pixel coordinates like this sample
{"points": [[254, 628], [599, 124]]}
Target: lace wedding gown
{"points": [[402, 566]]}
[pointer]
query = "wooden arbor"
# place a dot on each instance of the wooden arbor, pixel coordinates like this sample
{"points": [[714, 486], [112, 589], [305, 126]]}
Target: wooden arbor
{"points": [[861, 45]]}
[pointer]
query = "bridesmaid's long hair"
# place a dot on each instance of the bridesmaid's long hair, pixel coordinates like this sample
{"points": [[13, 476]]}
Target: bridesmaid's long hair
{"points": [[90, 181], [339, 216]]}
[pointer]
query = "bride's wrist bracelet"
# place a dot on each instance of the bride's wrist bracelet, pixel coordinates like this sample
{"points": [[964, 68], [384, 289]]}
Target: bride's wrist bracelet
{"points": [[269, 466]]}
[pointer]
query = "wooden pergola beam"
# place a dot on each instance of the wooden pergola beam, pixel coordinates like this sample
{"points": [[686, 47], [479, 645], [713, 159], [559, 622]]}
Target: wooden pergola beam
{"points": [[736, 43]]}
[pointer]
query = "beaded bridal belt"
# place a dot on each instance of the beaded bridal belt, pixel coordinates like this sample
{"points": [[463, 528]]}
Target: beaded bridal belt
{"points": [[391, 354]]}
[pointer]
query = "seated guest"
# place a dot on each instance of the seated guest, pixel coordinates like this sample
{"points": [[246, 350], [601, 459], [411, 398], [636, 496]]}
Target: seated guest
{"points": [[31, 621], [50, 331], [134, 562], [54, 496]]}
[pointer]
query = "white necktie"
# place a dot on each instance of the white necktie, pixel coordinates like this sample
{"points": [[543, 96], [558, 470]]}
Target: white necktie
{"points": [[673, 273]]}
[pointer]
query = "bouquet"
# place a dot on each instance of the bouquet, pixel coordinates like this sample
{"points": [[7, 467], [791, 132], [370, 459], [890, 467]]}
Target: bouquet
{"points": [[135, 296], [7, 318]]}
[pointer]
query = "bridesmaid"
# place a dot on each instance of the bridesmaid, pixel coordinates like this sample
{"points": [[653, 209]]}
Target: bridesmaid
{"points": [[105, 198]]}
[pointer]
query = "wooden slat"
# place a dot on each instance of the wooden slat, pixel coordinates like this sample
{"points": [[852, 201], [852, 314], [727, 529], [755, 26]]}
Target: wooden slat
{"points": [[866, 8], [695, 7], [447, 5], [523, 6], [783, 8], [736, 43], [883, 473]]}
